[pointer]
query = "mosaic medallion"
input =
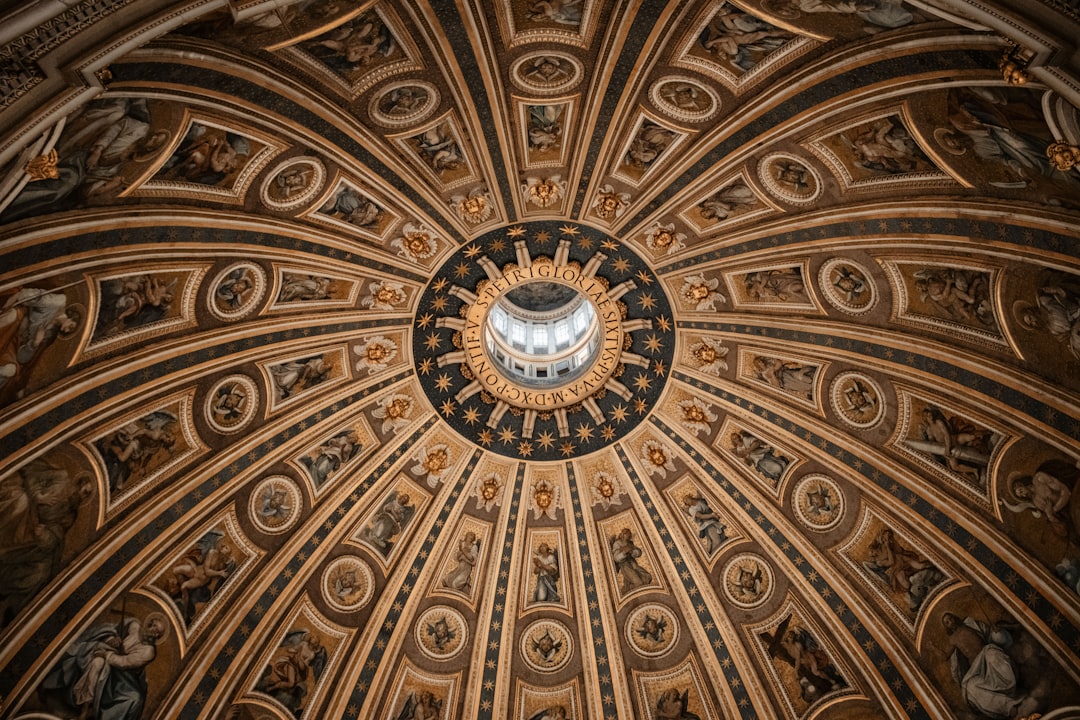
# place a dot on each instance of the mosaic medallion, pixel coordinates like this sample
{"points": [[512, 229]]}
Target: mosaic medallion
{"points": [[818, 502], [544, 341], [293, 183], [275, 505], [547, 73], [546, 645], [857, 400], [236, 291], [441, 632], [748, 580], [404, 103], [347, 583], [685, 99], [847, 286], [788, 178], [652, 630], [231, 404]]}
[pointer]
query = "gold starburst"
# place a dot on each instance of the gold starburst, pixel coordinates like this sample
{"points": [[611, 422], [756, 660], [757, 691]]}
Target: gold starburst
{"points": [[653, 343], [524, 448], [609, 244], [619, 413], [433, 341], [472, 251], [485, 438], [621, 264], [448, 408], [567, 449], [439, 284], [663, 323], [569, 230], [461, 270], [643, 382], [543, 236], [585, 242], [659, 367], [472, 415], [647, 301], [608, 432], [644, 277], [516, 232], [443, 383], [426, 366], [640, 406], [439, 303], [584, 432], [546, 440], [498, 245], [507, 435], [424, 320]]}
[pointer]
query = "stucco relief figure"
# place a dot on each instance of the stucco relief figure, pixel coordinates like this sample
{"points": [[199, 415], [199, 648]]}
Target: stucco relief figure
{"points": [[293, 670], [545, 127], [331, 456], [547, 69], [354, 44], [648, 144], [401, 102], [94, 150], [200, 573], [885, 146], [816, 673], [740, 38], [39, 504], [421, 705], [960, 295], [1056, 311], [133, 451], [850, 284], [235, 289], [563, 12], [230, 403], [1001, 670], [389, 521], [776, 285], [102, 675], [555, 712], [440, 633], [759, 455], [466, 555], [274, 505], [729, 201], [907, 573], [674, 705], [354, 208], [133, 301], [653, 629], [439, 149], [31, 319], [955, 443], [786, 375], [710, 355], [545, 566], [1048, 495], [710, 527], [297, 375], [876, 13], [687, 97], [304, 288], [625, 554], [206, 156]]}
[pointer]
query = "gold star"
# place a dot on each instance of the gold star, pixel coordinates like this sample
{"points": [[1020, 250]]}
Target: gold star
{"points": [[516, 231], [433, 341], [609, 244], [448, 408], [585, 242], [546, 439], [659, 368], [569, 230], [653, 343], [644, 277], [543, 236], [426, 365], [461, 270], [640, 406], [646, 301], [608, 432], [472, 415], [643, 382], [567, 449], [472, 251], [443, 383], [621, 264], [424, 320], [439, 284], [498, 245], [619, 413], [584, 432], [439, 303], [507, 435], [525, 448], [663, 323], [485, 438]]}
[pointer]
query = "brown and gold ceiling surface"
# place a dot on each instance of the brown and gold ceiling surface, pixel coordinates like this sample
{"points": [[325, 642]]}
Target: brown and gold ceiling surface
{"points": [[259, 462]]}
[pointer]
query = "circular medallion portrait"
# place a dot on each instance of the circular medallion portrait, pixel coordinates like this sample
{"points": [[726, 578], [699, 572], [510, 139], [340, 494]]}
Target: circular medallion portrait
{"points": [[748, 580], [685, 99], [847, 286], [236, 291], [546, 73], [231, 404], [441, 632], [404, 103], [347, 583], [818, 502], [546, 645], [789, 179], [275, 505], [551, 341], [293, 183], [857, 400], [652, 630]]}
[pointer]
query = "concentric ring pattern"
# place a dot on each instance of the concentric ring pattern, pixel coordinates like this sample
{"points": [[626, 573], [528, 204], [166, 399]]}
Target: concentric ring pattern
{"points": [[823, 462]]}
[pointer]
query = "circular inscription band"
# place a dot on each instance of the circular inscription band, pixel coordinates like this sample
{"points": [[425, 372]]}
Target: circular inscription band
{"points": [[492, 379]]}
